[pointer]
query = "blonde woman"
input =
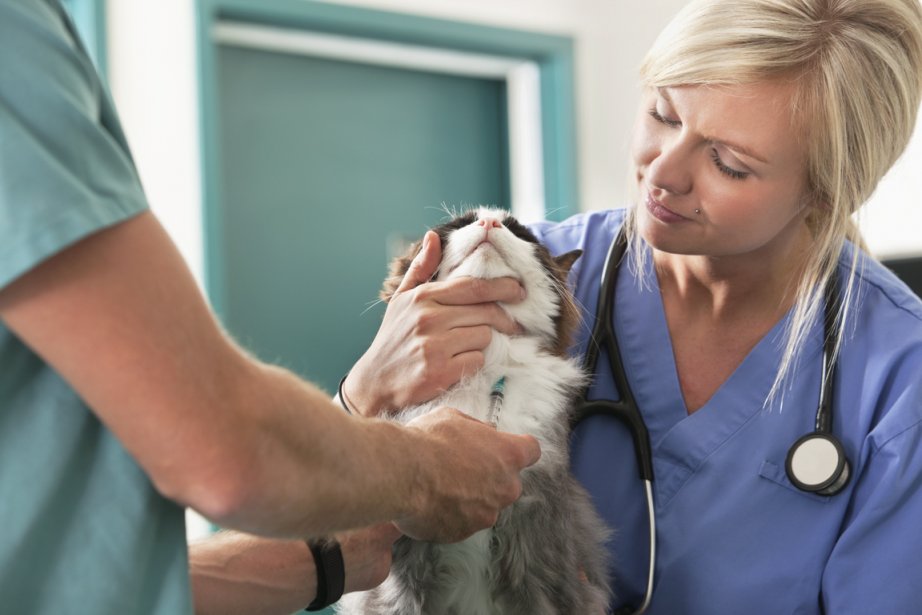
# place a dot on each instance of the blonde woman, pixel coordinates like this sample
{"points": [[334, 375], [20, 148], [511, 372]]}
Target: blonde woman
{"points": [[765, 124]]}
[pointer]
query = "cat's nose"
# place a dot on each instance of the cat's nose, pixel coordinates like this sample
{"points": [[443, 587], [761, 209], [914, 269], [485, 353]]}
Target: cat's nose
{"points": [[490, 222]]}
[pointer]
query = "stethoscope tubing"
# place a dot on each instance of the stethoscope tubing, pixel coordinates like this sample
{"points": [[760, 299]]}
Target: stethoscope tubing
{"points": [[603, 334], [626, 408]]}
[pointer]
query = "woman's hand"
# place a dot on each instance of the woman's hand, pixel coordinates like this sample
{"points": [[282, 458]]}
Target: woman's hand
{"points": [[432, 334]]}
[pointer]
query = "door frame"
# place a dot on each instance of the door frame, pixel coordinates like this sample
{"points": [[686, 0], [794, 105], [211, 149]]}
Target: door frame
{"points": [[551, 54]]}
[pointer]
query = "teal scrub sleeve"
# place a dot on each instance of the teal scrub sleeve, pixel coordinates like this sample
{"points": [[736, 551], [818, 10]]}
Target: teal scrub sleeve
{"points": [[65, 167]]}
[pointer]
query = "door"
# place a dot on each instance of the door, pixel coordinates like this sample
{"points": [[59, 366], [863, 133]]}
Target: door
{"points": [[333, 135], [328, 169]]}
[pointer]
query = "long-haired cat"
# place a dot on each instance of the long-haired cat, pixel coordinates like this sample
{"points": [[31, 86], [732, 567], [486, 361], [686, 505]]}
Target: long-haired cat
{"points": [[546, 554]]}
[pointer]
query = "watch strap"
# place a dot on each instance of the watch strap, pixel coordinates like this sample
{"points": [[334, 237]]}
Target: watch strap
{"points": [[331, 572]]}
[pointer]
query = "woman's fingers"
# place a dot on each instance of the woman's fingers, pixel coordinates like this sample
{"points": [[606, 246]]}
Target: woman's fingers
{"points": [[448, 318], [464, 339], [470, 291], [464, 364]]}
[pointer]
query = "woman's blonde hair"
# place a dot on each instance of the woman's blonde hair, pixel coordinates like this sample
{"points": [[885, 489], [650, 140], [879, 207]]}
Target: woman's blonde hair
{"points": [[857, 70]]}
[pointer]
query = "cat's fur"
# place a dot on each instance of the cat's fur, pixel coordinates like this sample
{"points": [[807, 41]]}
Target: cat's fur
{"points": [[546, 553]]}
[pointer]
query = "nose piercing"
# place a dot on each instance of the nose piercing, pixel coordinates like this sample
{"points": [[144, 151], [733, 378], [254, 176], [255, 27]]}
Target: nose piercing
{"points": [[697, 211]]}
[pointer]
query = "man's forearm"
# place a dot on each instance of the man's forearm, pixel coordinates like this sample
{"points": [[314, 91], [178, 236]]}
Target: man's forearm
{"points": [[250, 446], [119, 316], [235, 573], [238, 573], [305, 467]]}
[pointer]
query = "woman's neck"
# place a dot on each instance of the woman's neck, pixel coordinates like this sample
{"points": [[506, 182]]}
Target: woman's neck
{"points": [[718, 309], [759, 285]]}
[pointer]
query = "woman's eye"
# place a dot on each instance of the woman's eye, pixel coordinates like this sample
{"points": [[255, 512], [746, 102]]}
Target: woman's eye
{"points": [[662, 120], [723, 168]]}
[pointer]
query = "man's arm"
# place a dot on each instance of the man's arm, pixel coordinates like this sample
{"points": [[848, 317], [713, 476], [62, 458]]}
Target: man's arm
{"points": [[242, 574], [248, 445]]}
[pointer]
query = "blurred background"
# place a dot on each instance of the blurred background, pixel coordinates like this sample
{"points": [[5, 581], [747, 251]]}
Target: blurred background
{"points": [[293, 147]]}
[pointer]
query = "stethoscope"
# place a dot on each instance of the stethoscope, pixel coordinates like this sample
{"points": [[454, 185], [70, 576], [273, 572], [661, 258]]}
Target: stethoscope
{"points": [[815, 463]]}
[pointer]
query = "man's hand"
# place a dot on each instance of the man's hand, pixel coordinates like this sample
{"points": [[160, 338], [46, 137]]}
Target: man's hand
{"points": [[432, 334], [367, 555], [472, 473]]}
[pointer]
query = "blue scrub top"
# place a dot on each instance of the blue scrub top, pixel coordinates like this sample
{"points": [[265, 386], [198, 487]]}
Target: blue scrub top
{"points": [[735, 536], [82, 529]]}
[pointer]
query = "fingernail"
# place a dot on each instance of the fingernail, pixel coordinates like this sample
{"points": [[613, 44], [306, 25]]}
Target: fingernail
{"points": [[425, 242]]}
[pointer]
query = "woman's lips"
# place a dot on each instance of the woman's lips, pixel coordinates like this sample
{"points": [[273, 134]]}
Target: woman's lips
{"points": [[663, 213]]}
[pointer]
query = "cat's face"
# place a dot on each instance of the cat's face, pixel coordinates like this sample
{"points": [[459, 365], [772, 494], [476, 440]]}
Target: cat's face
{"points": [[490, 243]]}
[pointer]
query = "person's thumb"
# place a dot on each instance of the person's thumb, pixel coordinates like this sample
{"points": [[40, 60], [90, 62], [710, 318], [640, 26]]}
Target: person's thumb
{"points": [[425, 264], [530, 449]]}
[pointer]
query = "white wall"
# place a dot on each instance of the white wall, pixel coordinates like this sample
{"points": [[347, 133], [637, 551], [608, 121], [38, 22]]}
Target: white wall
{"points": [[892, 220], [152, 72], [151, 50]]}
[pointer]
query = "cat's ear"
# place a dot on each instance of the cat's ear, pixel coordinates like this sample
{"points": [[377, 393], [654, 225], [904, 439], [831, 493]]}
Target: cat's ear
{"points": [[565, 261], [398, 269]]}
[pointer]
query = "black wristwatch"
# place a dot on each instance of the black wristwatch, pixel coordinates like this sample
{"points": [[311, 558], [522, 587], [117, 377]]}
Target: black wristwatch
{"points": [[331, 572]]}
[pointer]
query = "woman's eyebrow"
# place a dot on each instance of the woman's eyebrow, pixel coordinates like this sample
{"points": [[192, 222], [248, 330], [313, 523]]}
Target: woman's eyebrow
{"points": [[737, 147], [734, 146]]}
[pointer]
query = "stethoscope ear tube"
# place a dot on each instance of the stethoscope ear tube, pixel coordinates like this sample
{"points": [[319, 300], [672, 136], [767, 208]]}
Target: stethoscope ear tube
{"points": [[816, 462], [625, 409]]}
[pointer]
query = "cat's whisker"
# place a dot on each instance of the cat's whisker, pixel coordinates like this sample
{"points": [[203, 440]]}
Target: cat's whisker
{"points": [[371, 305], [444, 208]]}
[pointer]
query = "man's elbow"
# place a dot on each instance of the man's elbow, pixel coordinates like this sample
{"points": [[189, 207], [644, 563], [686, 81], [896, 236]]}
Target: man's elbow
{"points": [[221, 495]]}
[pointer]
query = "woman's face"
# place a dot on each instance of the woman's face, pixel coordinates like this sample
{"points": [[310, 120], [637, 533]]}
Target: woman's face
{"points": [[729, 152]]}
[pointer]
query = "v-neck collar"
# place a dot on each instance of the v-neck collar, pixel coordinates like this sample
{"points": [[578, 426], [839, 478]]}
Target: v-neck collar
{"points": [[681, 442]]}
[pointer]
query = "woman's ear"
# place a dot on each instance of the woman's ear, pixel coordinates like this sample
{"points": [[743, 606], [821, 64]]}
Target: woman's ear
{"points": [[816, 209]]}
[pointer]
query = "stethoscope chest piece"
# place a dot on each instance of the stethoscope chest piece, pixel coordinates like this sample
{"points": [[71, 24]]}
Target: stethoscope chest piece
{"points": [[817, 463]]}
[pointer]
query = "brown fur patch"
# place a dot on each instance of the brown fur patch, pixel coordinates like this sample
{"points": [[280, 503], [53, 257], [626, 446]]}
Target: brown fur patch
{"points": [[569, 317]]}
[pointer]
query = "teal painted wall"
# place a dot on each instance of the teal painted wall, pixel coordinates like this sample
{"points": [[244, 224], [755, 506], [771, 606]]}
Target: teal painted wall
{"points": [[265, 281], [329, 169]]}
